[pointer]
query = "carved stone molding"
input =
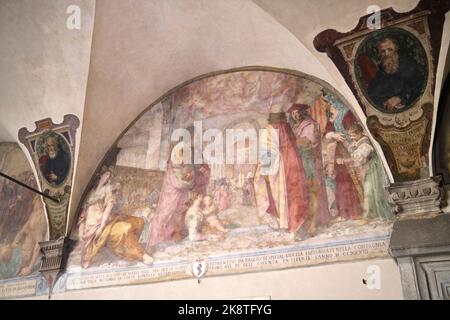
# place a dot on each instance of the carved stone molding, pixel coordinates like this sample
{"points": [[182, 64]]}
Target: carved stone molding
{"points": [[417, 198], [422, 250], [54, 257]]}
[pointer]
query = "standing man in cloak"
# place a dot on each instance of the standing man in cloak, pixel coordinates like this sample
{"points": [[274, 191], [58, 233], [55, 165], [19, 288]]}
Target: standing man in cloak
{"points": [[280, 184]]}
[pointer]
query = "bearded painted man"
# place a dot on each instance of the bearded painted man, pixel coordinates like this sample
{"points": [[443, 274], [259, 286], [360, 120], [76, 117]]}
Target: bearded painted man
{"points": [[398, 81], [55, 164]]}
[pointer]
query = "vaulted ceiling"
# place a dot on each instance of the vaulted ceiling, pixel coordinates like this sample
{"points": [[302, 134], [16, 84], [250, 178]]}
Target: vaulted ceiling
{"points": [[129, 53]]}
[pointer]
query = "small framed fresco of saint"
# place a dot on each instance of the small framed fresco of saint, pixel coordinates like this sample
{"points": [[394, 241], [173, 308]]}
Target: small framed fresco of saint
{"points": [[391, 69], [54, 158]]}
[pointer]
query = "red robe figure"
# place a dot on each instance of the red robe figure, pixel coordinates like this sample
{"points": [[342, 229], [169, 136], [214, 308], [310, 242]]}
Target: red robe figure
{"points": [[349, 193], [280, 182]]}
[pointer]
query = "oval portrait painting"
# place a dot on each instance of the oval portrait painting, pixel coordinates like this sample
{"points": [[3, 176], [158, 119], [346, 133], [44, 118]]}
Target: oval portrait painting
{"points": [[54, 157], [391, 69]]}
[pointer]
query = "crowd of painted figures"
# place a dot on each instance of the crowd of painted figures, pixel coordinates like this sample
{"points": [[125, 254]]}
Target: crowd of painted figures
{"points": [[327, 171]]}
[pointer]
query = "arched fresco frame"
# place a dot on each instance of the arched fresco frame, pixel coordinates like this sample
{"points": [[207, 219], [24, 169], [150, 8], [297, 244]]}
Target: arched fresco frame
{"points": [[68, 277], [111, 156], [112, 151]]}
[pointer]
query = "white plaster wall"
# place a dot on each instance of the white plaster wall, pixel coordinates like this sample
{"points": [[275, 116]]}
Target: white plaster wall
{"points": [[43, 65], [335, 281]]}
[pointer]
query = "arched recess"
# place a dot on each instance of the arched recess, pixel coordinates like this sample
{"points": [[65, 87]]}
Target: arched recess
{"points": [[112, 151], [321, 164]]}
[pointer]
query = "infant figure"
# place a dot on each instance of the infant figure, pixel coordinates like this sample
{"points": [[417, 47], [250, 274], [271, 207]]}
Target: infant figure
{"points": [[210, 213]]}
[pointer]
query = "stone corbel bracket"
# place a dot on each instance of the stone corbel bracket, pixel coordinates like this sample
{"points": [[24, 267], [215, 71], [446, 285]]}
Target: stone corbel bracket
{"points": [[54, 257], [417, 198]]}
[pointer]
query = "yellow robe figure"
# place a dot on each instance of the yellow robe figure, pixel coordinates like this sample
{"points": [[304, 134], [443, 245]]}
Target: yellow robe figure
{"points": [[120, 234]]}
